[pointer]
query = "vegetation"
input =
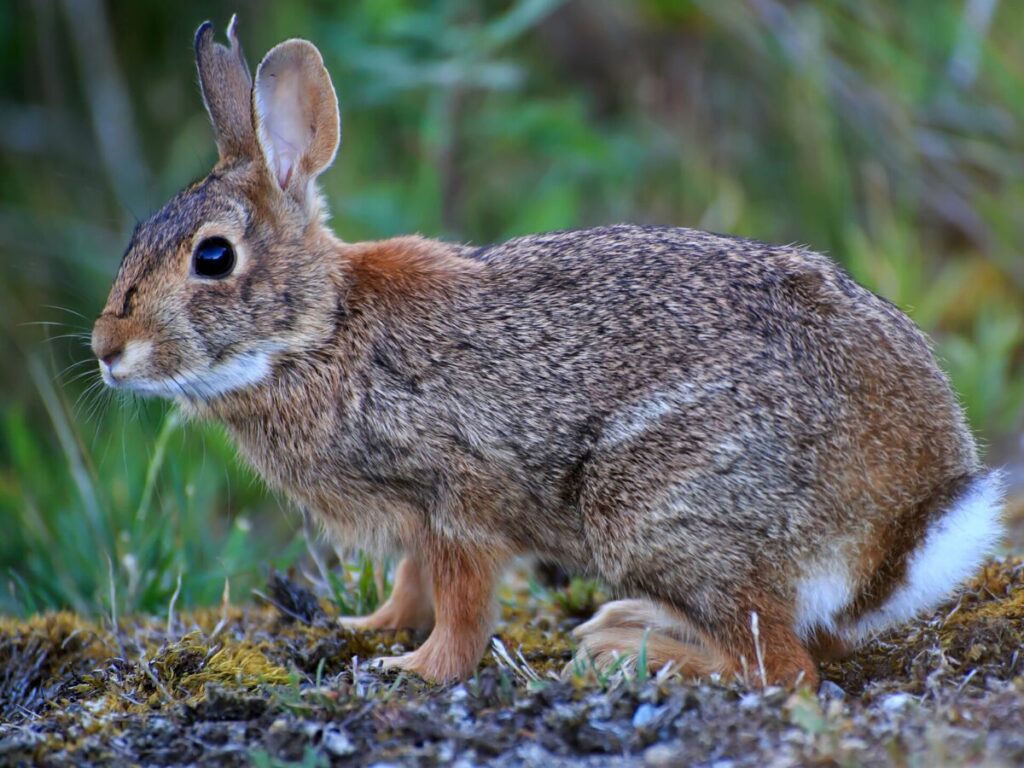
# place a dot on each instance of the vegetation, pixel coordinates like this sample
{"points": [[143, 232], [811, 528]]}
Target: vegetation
{"points": [[889, 135]]}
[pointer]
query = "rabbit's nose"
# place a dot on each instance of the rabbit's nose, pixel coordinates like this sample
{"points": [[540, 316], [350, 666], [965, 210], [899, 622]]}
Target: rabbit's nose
{"points": [[107, 340], [111, 357], [108, 352]]}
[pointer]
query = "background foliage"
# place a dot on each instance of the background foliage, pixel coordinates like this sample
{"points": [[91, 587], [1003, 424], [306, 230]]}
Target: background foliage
{"points": [[887, 134]]}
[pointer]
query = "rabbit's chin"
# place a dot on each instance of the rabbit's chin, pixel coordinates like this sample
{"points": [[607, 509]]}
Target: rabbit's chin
{"points": [[190, 386]]}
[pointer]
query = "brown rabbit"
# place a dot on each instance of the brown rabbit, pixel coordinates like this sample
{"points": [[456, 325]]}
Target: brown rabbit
{"points": [[761, 452]]}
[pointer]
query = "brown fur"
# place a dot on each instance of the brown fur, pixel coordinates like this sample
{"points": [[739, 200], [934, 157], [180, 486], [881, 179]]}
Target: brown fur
{"points": [[700, 420], [404, 269], [463, 579]]}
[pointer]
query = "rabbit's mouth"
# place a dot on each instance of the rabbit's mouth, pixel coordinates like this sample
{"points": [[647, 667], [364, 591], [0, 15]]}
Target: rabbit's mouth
{"points": [[240, 371]]}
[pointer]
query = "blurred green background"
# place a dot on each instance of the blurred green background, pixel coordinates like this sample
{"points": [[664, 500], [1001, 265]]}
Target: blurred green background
{"points": [[890, 135]]}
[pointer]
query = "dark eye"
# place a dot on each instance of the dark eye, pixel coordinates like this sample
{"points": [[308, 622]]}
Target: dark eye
{"points": [[214, 258]]}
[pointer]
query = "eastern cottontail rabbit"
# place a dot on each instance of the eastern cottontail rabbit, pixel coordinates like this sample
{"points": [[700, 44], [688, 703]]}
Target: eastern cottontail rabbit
{"points": [[762, 451]]}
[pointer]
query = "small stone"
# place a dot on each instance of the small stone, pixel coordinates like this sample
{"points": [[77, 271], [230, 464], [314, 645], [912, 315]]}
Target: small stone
{"points": [[897, 702], [338, 743], [660, 755], [645, 715], [830, 690], [750, 701]]}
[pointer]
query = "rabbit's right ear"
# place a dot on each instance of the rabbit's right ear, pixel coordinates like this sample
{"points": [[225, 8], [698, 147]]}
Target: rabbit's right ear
{"points": [[296, 114], [227, 91]]}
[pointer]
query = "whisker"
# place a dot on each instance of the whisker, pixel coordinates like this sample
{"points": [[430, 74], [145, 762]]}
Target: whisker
{"points": [[81, 375], [75, 364], [75, 336], [181, 387], [46, 322], [99, 398], [84, 398], [66, 309]]}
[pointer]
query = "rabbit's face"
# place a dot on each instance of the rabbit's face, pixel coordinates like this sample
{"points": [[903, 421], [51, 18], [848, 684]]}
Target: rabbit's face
{"points": [[212, 289], [234, 271]]}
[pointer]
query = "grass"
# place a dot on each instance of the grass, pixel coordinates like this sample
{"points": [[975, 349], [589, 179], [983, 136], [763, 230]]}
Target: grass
{"points": [[102, 526]]}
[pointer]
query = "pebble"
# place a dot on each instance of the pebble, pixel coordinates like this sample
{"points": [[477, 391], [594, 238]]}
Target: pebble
{"points": [[645, 715], [750, 701], [661, 756], [830, 690], [897, 702], [338, 743]]}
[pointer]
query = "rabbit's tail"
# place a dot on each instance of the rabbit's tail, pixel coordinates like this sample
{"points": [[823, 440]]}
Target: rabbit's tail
{"points": [[957, 542]]}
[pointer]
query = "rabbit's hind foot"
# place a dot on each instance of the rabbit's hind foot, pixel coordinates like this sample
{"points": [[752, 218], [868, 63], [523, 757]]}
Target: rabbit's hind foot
{"points": [[624, 632], [763, 653]]}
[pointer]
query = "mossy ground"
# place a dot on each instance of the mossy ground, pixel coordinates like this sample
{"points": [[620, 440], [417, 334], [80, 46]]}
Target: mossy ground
{"points": [[279, 682]]}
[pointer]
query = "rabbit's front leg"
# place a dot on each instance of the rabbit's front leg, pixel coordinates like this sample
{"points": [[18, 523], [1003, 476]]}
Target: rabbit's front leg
{"points": [[463, 580], [410, 605]]}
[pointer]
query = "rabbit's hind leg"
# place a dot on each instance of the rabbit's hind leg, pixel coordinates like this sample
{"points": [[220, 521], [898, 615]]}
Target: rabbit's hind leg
{"points": [[631, 629], [761, 641], [764, 650]]}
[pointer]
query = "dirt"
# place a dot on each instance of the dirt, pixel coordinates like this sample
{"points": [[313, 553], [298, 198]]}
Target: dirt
{"points": [[278, 682]]}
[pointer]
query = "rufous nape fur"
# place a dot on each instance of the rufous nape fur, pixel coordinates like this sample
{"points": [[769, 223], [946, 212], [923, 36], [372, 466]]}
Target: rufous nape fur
{"points": [[762, 456]]}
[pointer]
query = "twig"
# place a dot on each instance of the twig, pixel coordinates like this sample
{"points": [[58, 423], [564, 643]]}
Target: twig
{"points": [[170, 608], [755, 631]]}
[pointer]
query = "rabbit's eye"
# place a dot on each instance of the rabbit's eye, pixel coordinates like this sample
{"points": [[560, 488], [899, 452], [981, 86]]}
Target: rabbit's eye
{"points": [[214, 258]]}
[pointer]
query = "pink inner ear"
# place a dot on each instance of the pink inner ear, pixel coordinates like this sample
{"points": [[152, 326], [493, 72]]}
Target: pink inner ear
{"points": [[296, 112], [286, 155], [284, 123]]}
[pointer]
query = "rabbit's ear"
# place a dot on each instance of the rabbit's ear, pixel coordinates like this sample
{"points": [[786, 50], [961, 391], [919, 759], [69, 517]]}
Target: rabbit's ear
{"points": [[227, 90], [296, 114]]}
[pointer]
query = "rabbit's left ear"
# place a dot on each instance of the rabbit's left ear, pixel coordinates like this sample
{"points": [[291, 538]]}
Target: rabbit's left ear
{"points": [[295, 112], [227, 87]]}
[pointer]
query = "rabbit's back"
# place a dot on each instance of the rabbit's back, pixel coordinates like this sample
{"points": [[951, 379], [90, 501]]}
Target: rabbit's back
{"points": [[609, 327]]}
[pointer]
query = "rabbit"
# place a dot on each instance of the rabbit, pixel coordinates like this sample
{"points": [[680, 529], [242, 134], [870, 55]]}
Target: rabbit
{"points": [[759, 456]]}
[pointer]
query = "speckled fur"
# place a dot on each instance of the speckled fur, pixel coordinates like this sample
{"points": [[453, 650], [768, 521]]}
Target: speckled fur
{"points": [[695, 418]]}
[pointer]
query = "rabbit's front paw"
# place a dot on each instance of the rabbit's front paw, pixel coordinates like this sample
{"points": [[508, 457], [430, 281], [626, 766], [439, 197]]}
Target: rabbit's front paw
{"points": [[435, 666], [372, 622], [386, 618]]}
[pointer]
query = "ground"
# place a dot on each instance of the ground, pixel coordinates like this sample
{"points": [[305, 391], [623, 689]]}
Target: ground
{"points": [[278, 683]]}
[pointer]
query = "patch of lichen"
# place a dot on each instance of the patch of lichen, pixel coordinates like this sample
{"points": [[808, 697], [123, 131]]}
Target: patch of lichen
{"points": [[194, 661], [38, 656], [541, 640], [58, 662], [977, 637], [986, 628]]}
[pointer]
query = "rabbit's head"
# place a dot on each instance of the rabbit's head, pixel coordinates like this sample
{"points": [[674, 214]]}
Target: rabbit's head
{"points": [[237, 268]]}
